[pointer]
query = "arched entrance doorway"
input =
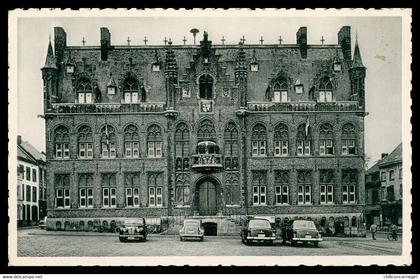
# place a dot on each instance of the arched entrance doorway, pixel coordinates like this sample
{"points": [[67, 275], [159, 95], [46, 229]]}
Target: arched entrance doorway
{"points": [[206, 196]]}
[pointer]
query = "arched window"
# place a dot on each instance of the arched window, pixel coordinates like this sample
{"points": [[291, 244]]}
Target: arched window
{"points": [[303, 140], [325, 90], [259, 140], [131, 89], [85, 142], [61, 142], [108, 142], [182, 147], [348, 139], [281, 140], [154, 141], [326, 140], [84, 91], [280, 88], [206, 130], [232, 189], [206, 87], [182, 192], [131, 142], [231, 147]]}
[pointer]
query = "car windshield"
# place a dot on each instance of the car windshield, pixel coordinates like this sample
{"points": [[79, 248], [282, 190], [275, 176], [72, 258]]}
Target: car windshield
{"points": [[304, 225], [259, 224], [191, 223], [133, 223]]}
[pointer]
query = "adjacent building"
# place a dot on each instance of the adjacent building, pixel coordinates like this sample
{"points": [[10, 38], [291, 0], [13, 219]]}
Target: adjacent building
{"points": [[384, 190], [205, 130], [31, 186]]}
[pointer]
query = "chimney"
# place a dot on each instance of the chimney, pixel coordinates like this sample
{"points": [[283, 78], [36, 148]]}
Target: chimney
{"points": [[301, 40], [19, 139], [60, 43], [105, 43], [344, 40], [383, 155]]}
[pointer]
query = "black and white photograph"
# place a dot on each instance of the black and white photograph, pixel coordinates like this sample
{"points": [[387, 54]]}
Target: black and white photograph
{"points": [[209, 137]]}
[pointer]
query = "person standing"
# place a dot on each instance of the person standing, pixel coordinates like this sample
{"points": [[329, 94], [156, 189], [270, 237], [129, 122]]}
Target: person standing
{"points": [[373, 229]]}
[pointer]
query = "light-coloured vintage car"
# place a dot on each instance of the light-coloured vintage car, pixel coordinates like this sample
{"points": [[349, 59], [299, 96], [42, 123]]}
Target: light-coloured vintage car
{"points": [[133, 229], [43, 223], [192, 229]]}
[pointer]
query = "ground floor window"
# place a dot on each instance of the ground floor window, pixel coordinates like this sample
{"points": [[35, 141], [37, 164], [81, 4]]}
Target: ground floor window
{"points": [[62, 197], [86, 197], [132, 196], [326, 180], [182, 189], [232, 190], [155, 188], [259, 185], [281, 182], [109, 197], [349, 182], [304, 187]]}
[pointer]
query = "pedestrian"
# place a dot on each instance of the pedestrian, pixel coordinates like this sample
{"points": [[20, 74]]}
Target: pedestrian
{"points": [[373, 229]]}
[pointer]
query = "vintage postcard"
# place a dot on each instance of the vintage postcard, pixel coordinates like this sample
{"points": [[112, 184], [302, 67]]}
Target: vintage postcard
{"points": [[210, 137]]}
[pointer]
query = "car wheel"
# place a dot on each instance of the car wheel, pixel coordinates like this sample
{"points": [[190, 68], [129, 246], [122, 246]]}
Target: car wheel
{"points": [[316, 244], [122, 239], [180, 238], [293, 243], [270, 242], [201, 238], [248, 242]]}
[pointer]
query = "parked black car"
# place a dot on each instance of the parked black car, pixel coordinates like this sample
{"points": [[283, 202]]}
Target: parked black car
{"points": [[301, 231], [257, 229], [133, 229]]}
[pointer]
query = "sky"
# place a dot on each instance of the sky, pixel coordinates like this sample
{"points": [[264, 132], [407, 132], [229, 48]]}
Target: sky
{"points": [[379, 42]]}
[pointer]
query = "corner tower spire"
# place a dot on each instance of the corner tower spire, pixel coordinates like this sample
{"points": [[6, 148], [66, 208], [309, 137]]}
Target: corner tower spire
{"points": [[357, 77], [241, 75], [357, 59], [50, 61], [171, 75]]}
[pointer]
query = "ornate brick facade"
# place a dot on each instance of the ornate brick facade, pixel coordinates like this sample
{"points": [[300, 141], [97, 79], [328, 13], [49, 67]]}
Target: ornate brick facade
{"points": [[206, 118]]}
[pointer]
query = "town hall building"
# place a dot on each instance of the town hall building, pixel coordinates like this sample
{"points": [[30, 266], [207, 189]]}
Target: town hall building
{"points": [[205, 130]]}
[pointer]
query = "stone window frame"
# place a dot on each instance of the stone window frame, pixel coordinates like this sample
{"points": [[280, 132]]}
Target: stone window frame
{"points": [[326, 187], [154, 186], [131, 91], [109, 190], [62, 184], [84, 90], [206, 130], [182, 144], [281, 187], [131, 142], [232, 187], [303, 141], [304, 187], [204, 81], [85, 142], [85, 183], [34, 176], [326, 140], [259, 187], [183, 190], [34, 194], [348, 139], [281, 140], [326, 87], [259, 140], [61, 143], [231, 146], [391, 175], [154, 141], [131, 186], [108, 142], [280, 86], [349, 186]]}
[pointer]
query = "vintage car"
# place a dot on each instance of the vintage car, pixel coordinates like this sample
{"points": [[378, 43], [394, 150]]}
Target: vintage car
{"points": [[43, 223], [133, 229], [257, 229], [191, 229], [301, 231]]}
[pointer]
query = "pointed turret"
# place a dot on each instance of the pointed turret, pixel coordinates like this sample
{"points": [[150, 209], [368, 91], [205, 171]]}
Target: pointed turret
{"points": [[357, 59], [241, 76], [50, 61], [170, 62], [171, 74]]}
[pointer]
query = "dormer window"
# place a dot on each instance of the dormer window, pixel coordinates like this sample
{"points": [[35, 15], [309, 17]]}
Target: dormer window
{"points": [[325, 90], [155, 67], [337, 66], [131, 90], [111, 90], [298, 87], [206, 60], [111, 87], [254, 67], [280, 91], [84, 91], [70, 69]]}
